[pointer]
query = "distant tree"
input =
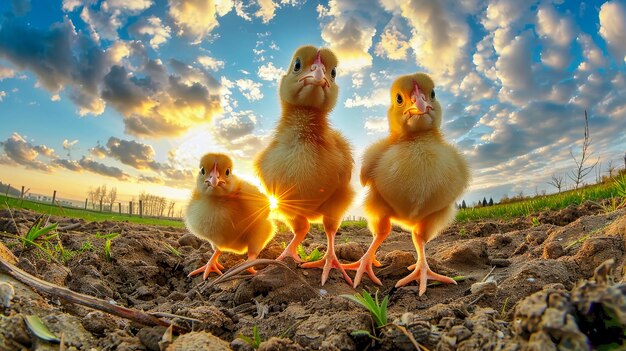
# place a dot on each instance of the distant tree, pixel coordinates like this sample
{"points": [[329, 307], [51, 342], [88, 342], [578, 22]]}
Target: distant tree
{"points": [[557, 182], [582, 170], [484, 202], [112, 197], [611, 169], [490, 201], [92, 195], [463, 205]]}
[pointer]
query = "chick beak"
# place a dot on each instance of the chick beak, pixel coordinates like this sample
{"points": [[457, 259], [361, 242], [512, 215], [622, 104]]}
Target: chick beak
{"points": [[420, 105], [214, 176], [317, 74]]}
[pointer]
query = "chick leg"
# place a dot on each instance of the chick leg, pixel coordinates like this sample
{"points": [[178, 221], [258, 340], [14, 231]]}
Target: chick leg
{"points": [[422, 272], [329, 261], [211, 266], [300, 226], [381, 228]]}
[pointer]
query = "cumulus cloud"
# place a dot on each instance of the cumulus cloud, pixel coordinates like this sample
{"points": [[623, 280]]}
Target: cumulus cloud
{"points": [[19, 150], [3, 94], [153, 100], [393, 43], [153, 27], [348, 33], [6, 72], [237, 125], [211, 63], [613, 27], [90, 165], [378, 97], [195, 19], [594, 58], [270, 72], [557, 33], [376, 125], [250, 89], [132, 153]]}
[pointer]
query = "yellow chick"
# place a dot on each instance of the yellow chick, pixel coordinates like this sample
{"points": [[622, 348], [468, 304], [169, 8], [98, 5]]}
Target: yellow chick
{"points": [[414, 177], [307, 165], [228, 212]]}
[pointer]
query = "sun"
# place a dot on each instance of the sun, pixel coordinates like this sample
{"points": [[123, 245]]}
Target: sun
{"points": [[273, 202]]}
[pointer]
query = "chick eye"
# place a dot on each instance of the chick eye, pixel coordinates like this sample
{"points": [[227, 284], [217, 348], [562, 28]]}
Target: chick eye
{"points": [[333, 73], [202, 171], [297, 65], [432, 94], [399, 99], [227, 172]]}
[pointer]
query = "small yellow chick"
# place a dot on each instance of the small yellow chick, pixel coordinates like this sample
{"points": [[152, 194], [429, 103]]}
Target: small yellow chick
{"points": [[414, 177], [228, 212], [307, 165]]}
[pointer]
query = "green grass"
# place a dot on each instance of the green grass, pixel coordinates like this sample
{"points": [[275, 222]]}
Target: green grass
{"points": [[88, 215], [543, 203], [377, 309]]}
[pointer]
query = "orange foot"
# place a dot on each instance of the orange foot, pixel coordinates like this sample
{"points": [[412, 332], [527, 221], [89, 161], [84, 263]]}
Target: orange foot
{"points": [[290, 251], [422, 273], [211, 266], [328, 262], [364, 265]]}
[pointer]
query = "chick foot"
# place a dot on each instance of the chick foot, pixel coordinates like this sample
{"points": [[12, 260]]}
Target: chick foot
{"points": [[328, 262], [364, 265], [422, 273], [212, 266], [290, 251]]}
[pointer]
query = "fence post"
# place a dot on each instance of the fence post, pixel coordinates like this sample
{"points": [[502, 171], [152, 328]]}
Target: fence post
{"points": [[140, 208], [119, 207], [130, 208], [7, 192], [22, 193], [54, 196], [85, 204], [100, 205]]}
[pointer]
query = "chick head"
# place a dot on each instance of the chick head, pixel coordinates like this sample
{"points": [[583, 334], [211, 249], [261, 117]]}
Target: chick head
{"points": [[215, 175], [310, 80], [414, 107]]}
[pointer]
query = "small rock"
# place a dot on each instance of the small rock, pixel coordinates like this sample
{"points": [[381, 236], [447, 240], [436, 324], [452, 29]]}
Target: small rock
{"points": [[98, 322], [470, 252], [488, 288], [351, 251], [189, 240], [150, 337], [199, 341], [6, 294], [500, 262], [279, 344], [552, 250]]}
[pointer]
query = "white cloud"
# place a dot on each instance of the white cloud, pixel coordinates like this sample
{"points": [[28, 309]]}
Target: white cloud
{"points": [[267, 9], [6, 72], [594, 58], [379, 97], [153, 27], [210, 63], [3, 94], [347, 33], [250, 89], [196, 19], [69, 144], [376, 125], [393, 43], [476, 87], [560, 29], [270, 72], [613, 27]]}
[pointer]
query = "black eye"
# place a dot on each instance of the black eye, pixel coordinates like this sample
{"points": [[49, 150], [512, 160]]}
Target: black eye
{"points": [[227, 172], [399, 99], [432, 94], [333, 73], [202, 171], [297, 65]]}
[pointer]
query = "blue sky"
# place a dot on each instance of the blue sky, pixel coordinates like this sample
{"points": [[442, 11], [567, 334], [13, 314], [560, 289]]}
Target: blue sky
{"points": [[130, 93]]}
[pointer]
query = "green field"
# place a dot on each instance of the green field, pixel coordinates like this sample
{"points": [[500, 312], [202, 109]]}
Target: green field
{"points": [[88, 215], [615, 189]]}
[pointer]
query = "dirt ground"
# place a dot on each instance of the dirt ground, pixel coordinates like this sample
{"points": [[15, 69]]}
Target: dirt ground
{"points": [[529, 287]]}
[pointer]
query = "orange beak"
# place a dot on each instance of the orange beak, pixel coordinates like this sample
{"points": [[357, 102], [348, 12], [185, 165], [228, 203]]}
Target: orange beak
{"points": [[317, 76]]}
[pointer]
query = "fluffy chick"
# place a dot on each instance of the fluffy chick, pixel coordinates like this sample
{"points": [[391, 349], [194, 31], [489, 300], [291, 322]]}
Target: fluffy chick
{"points": [[228, 212], [307, 165], [414, 177]]}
